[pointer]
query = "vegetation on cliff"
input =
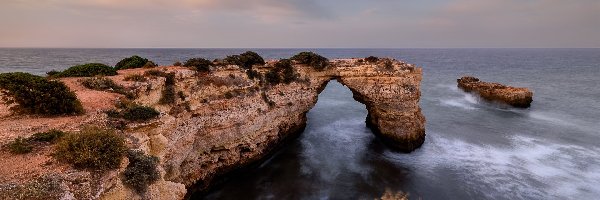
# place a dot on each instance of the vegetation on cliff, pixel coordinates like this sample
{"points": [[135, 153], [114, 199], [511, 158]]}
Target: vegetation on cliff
{"points": [[245, 60], [141, 171], [106, 84], [25, 145], [85, 70], [134, 112], [134, 62], [282, 72], [372, 59], [38, 95], [314, 60], [92, 148], [198, 64]]}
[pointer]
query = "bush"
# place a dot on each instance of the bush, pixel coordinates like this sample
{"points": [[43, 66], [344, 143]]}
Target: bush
{"points": [[199, 64], [314, 60], [177, 64], [48, 136], [106, 84], [25, 145], [92, 148], [289, 74], [19, 146], [134, 62], [272, 77], [101, 84], [252, 74], [371, 59], [140, 113], [85, 70], [150, 64], [155, 73], [134, 112], [135, 77], [245, 60], [37, 95], [141, 171]]}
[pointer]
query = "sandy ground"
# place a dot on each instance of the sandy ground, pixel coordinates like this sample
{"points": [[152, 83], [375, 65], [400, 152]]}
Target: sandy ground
{"points": [[19, 168]]}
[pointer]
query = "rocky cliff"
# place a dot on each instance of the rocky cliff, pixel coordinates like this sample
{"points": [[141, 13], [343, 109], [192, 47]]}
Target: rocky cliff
{"points": [[517, 97], [224, 120]]}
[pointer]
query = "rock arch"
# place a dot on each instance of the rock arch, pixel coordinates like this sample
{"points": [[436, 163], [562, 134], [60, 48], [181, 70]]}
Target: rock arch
{"points": [[232, 121]]}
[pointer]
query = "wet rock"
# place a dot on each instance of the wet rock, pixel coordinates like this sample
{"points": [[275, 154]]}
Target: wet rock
{"points": [[517, 97]]}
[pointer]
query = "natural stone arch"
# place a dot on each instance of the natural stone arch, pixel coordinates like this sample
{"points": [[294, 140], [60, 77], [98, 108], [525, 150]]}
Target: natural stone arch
{"points": [[391, 97]]}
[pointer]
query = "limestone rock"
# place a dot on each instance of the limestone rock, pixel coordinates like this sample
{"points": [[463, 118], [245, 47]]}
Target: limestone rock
{"points": [[517, 97]]}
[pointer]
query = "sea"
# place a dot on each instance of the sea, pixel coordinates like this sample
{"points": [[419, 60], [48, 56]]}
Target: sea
{"points": [[473, 149]]}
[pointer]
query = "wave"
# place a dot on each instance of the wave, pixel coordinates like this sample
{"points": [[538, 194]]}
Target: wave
{"points": [[529, 169]]}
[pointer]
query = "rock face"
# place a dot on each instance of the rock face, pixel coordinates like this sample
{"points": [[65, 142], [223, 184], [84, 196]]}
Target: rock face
{"points": [[517, 97], [224, 120]]}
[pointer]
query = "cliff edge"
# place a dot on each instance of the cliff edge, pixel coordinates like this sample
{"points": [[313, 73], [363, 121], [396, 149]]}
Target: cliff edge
{"points": [[220, 121]]}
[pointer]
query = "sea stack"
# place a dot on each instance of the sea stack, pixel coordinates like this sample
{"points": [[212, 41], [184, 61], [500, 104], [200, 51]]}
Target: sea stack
{"points": [[514, 96]]}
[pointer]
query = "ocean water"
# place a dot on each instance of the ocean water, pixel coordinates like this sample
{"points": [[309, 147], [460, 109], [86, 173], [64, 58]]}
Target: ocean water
{"points": [[473, 149]]}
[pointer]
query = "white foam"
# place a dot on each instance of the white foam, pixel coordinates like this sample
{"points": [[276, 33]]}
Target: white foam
{"points": [[531, 168], [466, 102]]}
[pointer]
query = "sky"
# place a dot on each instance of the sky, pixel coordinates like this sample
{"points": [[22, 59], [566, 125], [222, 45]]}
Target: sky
{"points": [[300, 23]]}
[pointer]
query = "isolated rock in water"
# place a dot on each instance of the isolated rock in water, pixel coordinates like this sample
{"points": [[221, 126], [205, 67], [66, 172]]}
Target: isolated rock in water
{"points": [[517, 97]]}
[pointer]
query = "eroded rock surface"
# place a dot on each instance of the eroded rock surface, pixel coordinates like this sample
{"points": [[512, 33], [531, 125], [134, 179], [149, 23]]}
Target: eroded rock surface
{"points": [[517, 97], [223, 120]]}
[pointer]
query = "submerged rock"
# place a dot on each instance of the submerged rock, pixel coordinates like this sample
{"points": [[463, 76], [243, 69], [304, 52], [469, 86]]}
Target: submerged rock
{"points": [[517, 97]]}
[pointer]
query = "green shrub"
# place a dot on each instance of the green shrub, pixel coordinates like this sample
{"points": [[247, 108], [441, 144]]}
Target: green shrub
{"points": [[19, 146], [272, 77], [168, 93], [141, 171], [314, 60], [198, 64], [48, 136], [252, 74], [85, 70], [372, 59], [37, 95], [134, 62], [135, 77], [25, 145], [101, 84], [288, 73], [177, 64], [92, 148], [140, 113], [134, 112], [245, 60], [106, 84]]}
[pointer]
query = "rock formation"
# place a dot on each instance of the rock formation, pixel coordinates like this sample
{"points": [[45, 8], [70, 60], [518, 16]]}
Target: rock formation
{"points": [[224, 120], [517, 97]]}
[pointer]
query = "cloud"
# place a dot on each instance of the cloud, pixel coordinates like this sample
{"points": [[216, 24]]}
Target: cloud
{"points": [[300, 23]]}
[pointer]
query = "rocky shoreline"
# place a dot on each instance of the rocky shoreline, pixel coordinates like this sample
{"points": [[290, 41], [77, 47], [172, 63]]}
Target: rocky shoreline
{"points": [[224, 120]]}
